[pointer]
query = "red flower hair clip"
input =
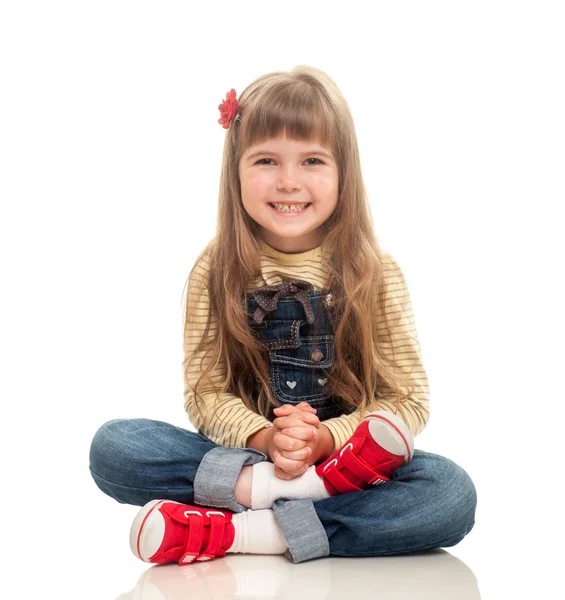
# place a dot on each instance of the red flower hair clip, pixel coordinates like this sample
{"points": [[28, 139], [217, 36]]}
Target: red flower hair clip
{"points": [[228, 110]]}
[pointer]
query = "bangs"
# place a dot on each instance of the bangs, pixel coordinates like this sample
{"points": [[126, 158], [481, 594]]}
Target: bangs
{"points": [[296, 111]]}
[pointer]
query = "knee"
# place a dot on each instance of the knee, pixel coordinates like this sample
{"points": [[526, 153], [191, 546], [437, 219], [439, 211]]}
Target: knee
{"points": [[110, 445], [456, 498], [104, 445], [457, 485], [447, 496]]}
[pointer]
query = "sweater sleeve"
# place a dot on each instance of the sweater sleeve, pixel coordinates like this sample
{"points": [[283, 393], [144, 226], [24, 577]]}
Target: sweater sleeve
{"points": [[233, 422], [395, 302]]}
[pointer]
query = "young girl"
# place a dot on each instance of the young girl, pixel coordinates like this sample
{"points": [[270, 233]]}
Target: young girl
{"points": [[303, 371]]}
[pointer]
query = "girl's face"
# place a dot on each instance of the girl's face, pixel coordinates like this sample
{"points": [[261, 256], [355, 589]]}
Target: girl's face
{"points": [[292, 174]]}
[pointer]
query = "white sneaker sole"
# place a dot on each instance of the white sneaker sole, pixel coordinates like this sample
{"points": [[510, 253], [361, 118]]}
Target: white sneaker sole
{"points": [[147, 530], [391, 433]]}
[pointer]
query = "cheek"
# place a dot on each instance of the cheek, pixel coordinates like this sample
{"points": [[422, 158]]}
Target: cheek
{"points": [[335, 188], [255, 185], [329, 186]]}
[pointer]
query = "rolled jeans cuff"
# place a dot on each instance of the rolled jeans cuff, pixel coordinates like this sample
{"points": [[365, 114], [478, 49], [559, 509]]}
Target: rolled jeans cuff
{"points": [[216, 476], [302, 528]]}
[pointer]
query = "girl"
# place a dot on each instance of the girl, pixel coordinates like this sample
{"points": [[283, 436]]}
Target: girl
{"points": [[303, 371]]}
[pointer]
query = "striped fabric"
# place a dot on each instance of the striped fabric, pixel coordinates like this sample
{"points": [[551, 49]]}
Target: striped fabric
{"points": [[238, 422]]}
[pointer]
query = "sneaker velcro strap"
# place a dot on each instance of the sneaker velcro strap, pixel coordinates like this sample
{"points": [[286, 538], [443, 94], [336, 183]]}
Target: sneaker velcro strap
{"points": [[193, 543], [359, 467], [339, 482], [217, 526]]}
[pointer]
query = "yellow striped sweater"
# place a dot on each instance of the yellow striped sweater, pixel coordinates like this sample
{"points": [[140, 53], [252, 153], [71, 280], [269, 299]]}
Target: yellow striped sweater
{"points": [[238, 422]]}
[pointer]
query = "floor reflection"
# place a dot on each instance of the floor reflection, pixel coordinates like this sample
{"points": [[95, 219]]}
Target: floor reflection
{"points": [[423, 576]]}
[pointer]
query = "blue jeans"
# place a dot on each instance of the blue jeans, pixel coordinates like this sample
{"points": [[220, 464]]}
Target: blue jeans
{"points": [[429, 503]]}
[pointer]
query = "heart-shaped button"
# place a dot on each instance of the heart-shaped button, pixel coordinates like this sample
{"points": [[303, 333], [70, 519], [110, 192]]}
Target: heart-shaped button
{"points": [[321, 381], [291, 384]]}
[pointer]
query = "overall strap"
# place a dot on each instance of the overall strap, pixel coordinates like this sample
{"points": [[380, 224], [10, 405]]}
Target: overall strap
{"points": [[268, 296]]}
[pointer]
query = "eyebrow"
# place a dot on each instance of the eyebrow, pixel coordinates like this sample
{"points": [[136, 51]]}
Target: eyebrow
{"points": [[307, 153]]}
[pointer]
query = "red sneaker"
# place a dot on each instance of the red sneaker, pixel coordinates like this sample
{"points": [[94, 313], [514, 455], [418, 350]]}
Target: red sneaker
{"points": [[165, 531], [381, 443]]}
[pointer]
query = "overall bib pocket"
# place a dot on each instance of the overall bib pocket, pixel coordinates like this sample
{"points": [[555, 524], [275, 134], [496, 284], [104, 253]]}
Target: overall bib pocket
{"points": [[298, 362]]}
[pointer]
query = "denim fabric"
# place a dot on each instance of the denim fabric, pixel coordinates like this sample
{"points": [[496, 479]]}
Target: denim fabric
{"points": [[300, 353], [217, 474], [428, 503]]}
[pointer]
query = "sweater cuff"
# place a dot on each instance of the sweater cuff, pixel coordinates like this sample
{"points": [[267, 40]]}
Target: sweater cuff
{"points": [[342, 428]]}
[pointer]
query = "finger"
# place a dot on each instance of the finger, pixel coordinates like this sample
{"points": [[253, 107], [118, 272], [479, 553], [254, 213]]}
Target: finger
{"points": [[284, 475], [300, 433], [305, 417], [285, 408], [288, 422], [288, 408], [288, 443], [294, 420], [301, 406], [294, 467], [302, 455], [304, 406]]}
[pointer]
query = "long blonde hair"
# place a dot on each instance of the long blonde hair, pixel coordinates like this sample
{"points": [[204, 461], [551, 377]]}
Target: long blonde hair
{"points": [[304, 104]]}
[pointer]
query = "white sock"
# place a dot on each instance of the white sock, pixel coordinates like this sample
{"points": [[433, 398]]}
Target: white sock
{"points": [[266, 487], [257, 532]]}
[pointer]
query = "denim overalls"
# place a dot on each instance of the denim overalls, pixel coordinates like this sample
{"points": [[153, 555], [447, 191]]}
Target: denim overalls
{"points": [[298, 335], [429, 503]]}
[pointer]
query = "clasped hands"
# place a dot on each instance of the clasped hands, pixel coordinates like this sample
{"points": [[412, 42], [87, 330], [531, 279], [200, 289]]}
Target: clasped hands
{"points": [[297, 440]]}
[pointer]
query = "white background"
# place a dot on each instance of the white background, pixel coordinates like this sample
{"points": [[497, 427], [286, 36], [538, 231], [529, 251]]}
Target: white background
{"points": [[110, 156]]}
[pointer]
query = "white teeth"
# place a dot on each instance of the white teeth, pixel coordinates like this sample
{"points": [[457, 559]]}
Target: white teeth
{"points": [[289, 207]]}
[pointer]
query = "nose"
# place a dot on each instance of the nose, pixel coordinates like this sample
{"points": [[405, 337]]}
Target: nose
{"points": [[289, 180]]}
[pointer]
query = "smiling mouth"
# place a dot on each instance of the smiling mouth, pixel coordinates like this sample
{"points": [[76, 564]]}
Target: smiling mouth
{"points": [[289, 208]]}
